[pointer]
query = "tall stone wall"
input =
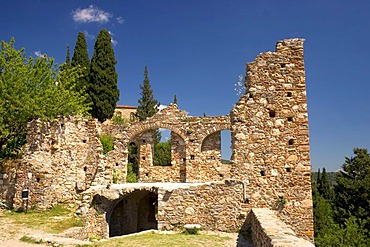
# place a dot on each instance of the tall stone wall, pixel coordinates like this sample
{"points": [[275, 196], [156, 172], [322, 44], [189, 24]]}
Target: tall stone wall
{"points": [[270, 136]]}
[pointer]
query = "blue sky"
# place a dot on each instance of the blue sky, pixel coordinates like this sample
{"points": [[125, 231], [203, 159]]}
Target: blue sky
{"points": [[196, 49]]}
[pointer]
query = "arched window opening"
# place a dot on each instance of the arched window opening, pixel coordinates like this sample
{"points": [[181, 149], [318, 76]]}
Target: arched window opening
{"points": [[225, 146], [133, 163], [162, 147], [216, 147]]}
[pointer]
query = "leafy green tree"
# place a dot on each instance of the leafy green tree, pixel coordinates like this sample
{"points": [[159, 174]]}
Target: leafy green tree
{"points": [[32, 88], [133, 163], [162, 154], [81, 58], [148, 106], [352, 190], [103, 88]]}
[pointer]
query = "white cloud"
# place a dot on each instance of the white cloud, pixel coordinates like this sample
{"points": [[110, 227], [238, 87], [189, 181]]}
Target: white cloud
{"points": [[91, 14], [120, 20], [114, 42], [88, 36], [161, 107], [39, 54]]}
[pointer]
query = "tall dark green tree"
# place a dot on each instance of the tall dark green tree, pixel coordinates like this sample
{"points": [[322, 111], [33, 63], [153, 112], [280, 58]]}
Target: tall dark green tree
{"points": [[81, 58], [148, 106], [323, 185], [103, 88], [175, 99], [323, 218], [68, 57], [352, 190]]}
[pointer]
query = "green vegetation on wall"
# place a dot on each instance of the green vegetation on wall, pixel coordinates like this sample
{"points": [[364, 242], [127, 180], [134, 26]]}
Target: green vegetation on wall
{"points": [[107, 142]]}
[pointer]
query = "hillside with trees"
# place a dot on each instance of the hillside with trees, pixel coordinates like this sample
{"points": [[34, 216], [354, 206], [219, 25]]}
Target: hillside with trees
{"points": [[341, 209]]}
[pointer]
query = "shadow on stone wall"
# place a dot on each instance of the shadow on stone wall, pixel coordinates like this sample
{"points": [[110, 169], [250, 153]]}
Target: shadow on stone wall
{"points": [[245, 234]]}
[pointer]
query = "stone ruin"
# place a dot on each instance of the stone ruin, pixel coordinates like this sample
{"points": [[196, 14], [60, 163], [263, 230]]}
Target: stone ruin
{"points": [[270, 163]]}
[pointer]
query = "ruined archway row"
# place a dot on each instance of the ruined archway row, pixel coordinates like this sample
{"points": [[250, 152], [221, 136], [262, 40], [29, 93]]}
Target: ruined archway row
{"points": [[188, 135]]}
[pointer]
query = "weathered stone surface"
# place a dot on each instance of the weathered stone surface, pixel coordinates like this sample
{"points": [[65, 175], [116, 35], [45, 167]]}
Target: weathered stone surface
{"points": [[268, 230]]}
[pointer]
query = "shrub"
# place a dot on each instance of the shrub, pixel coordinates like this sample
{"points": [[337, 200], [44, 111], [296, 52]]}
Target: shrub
{"points": [[131, 175], [119, 120], [107, 142]]}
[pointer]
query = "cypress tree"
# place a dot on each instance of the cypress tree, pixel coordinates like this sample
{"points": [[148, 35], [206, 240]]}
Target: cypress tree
{"points": [[81, 58], [324, 187], [68, 57], [175, 99], [148, 106], [103, 88]]}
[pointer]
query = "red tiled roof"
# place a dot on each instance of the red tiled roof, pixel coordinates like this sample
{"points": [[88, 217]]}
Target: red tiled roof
{"points": [[125, 107]]}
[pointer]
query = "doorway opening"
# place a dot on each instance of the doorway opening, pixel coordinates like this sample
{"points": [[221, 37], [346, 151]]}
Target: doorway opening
{"points": [[134, 213]]}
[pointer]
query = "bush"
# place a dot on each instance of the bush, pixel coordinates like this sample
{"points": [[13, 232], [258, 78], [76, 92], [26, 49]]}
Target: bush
{"points": [[107, 142], [131, 175], [119, 120]]}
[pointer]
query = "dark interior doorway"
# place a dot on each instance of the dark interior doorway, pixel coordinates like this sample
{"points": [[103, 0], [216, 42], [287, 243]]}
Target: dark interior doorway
{"points": [[134, 213]]}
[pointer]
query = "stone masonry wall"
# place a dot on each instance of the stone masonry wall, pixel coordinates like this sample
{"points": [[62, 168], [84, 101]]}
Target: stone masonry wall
{"points": [[198, 205], [188, 134], [267, 230], [270, 136], [8, 180], [178, 204], [62, 158]]}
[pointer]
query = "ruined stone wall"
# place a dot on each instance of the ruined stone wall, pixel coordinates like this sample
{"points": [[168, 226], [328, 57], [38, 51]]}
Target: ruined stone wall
{"points": [[178, 204], [8, 180], [61, 158], [188, 134], [270, 136], [270, 154], [215, 206], [148, 172]]}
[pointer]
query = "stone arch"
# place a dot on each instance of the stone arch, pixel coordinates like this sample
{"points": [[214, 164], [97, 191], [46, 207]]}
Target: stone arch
{"points": [[215, 129], [134, 212], [141, 127]]}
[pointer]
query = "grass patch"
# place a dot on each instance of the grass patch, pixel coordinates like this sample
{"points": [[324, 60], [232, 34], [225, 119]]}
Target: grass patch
{"points": [[166, 240], [30, 240], [55, 220]]}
